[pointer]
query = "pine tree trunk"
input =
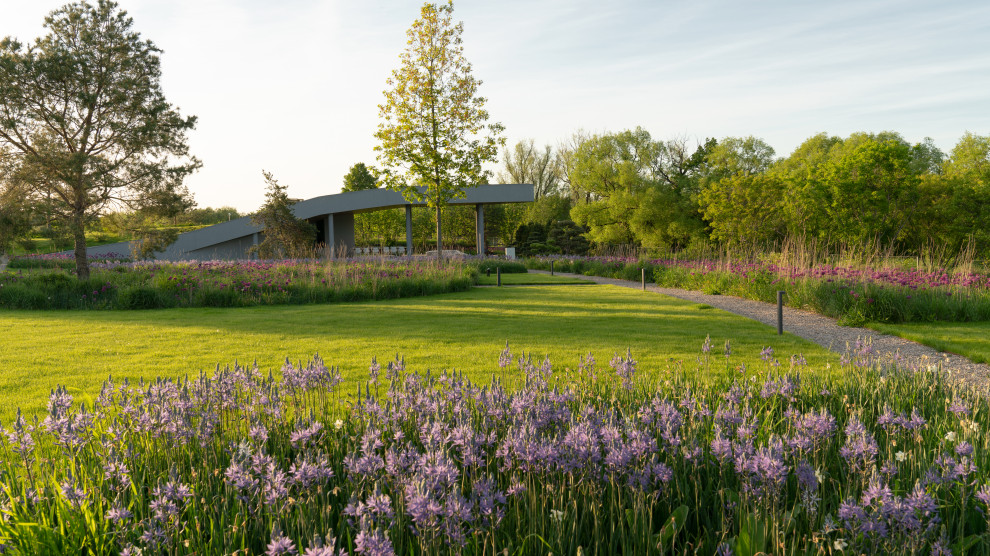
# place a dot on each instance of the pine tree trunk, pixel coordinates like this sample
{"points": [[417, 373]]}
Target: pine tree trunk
{"points": [[78, 226]]}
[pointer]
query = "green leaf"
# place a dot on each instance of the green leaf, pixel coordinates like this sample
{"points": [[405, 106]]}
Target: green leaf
{"points": [[675, 523]]}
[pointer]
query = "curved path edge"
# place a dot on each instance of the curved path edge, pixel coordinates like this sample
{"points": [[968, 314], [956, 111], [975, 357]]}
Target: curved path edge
{"points": [[820, 329]]}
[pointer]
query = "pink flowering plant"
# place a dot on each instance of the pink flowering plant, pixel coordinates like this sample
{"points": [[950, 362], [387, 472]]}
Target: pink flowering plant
{"points": [[853, 294], [595, 459]]}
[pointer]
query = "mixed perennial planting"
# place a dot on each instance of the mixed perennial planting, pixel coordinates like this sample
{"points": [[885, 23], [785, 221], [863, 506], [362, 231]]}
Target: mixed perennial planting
{"points": [[595, 459], [115, 284], [855, 295]]}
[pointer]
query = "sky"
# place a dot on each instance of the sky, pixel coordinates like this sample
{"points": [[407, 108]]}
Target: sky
{"points": [[293, 86]]}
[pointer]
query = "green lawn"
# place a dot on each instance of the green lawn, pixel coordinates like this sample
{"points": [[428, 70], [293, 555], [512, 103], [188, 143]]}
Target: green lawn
{"points": [[465, 331], [529, 279], [969, 339]]}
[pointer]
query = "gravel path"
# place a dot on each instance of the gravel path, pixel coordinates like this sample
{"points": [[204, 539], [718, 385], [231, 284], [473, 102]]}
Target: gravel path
{"points": [[820, 329]]}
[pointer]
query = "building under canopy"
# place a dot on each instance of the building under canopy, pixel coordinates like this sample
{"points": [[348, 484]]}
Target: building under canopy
{"points": [[333, 216]]}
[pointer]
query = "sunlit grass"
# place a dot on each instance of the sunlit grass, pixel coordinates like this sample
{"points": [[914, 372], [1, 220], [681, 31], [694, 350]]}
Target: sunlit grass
{"points": [[463, 331]]}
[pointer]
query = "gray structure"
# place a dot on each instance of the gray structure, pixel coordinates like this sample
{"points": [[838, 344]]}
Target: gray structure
{"points": [[333, 216]]}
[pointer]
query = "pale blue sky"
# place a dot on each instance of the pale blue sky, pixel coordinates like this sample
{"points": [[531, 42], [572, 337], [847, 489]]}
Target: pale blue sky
{"points": [[293, 86]]}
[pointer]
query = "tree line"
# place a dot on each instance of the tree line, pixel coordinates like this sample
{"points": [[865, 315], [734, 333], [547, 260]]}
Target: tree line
{"points": [[626, 188]]}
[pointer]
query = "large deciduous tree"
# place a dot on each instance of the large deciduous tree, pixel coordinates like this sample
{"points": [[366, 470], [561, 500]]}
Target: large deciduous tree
{"points": [[83, 111], [433, 135]]}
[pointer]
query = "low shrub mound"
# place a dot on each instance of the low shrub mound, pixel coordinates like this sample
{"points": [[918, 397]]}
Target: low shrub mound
{"points": [[594, 459], [158, 285], [853, 295]]}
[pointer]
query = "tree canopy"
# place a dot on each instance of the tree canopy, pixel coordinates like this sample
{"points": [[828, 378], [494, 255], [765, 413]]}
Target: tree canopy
{"points": [[434, 134], [82, 111], [359, 178]]}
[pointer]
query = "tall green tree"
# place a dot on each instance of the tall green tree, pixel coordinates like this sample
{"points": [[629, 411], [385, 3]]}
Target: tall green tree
{"points": [[359, 178], [83, 110], [283, 234], [434, 134]]}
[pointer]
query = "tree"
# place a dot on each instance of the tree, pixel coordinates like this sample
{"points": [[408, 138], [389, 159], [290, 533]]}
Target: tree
{"points": [[284, 235], [433, 137], [359, 178], [15, 215], [83, 110], [527, 164]]}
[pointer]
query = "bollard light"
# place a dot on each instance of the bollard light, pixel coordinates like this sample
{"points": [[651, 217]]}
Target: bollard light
{"points": [[780, 313]]}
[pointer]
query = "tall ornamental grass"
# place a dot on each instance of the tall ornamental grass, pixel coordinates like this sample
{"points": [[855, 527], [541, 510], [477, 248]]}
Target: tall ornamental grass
{"points": [[853, 295], [157, 285], [589, 459]]}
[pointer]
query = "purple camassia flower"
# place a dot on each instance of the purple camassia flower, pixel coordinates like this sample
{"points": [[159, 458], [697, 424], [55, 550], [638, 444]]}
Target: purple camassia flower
{"points": [[374, 369], [73, 495], [307, 474], [394, 368], [945, 470], [319, 549], [505, 358], [983, 495], [625, 368], [766, 354], [812, 430], [891, 421], [860, 449], [315, 374], [20, 439], [280, 545], [302, 437], [586, 366], [373, 542], [117, 514], [786, 386], [964, 449], [664, 416], [808, 486], [958, 408], [763, 472]]}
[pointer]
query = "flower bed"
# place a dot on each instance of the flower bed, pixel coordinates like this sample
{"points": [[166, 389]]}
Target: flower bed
{"points": [[593, 460], [153, 285], [854, 295]]}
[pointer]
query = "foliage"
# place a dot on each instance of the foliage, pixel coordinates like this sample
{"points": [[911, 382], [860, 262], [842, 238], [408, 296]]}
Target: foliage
{"points": [[568, 237], [635, 190], [433, 137], [507, 267], [359, 178], [153, 285], [83, 112], [283, 235], [15, 221], [854, 295], [598, 459]]}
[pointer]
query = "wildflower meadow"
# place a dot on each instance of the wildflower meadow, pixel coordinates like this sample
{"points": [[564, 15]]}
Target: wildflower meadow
{"points": [[588, 458]]}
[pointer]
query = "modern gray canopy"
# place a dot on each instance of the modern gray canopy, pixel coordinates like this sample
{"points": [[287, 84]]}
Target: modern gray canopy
{"points": [[333, 216]]}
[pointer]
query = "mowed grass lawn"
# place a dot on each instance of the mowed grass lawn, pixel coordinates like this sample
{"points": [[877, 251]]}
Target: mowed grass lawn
{"points": [[464, 331], [969, 339]]}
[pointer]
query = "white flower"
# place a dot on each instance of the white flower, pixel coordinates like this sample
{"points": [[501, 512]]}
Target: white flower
{"points": [[338, 424], [900, 456], [951, 437], [840, 544], [557, 515], [819, 476]]}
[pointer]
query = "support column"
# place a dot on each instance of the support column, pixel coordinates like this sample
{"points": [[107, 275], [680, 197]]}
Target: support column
{"points": [[254, 242], [328, 237], [479, 228], [331, 243], [409, 241]]}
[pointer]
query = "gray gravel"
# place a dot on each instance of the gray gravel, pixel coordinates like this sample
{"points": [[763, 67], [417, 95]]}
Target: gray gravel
{"points": [[822, 330]]}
